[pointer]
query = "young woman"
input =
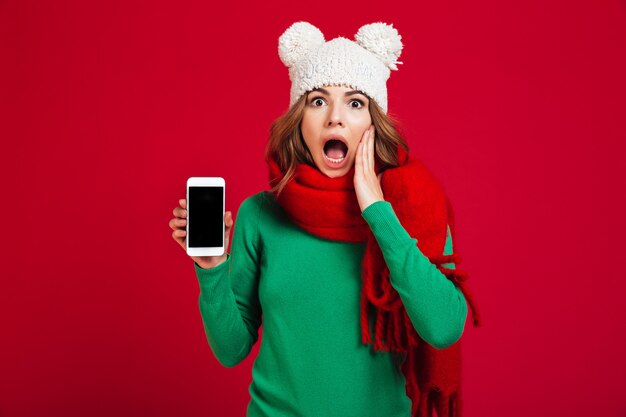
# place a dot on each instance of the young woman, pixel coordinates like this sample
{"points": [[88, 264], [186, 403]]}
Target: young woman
{"points": [[351, 247]]}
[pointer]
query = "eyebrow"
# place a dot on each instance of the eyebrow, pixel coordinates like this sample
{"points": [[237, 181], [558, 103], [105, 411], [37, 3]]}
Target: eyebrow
{"points": [[347, 93]]}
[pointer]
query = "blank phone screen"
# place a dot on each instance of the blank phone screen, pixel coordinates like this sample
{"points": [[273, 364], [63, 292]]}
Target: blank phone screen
{"points": [[205, 217]]}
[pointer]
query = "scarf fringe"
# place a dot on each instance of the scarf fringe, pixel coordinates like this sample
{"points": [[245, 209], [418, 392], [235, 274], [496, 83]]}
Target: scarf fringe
{"points": [[459, 278], [432, 376], [393, 331], [393, 328]]}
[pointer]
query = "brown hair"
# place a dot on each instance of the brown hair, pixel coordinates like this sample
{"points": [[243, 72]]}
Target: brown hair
{"points": [[286, 144]]}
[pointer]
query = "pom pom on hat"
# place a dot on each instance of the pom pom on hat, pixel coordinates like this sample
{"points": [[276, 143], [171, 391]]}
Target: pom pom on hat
{"points": [[297, 41], [363, 64], [382, 40]]}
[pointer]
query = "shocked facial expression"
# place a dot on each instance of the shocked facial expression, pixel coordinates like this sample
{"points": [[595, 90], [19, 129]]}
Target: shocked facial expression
{"points": [[334, 120]]}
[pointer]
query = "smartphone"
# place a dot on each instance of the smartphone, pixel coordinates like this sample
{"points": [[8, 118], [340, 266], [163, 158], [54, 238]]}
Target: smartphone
{"points": [[206, 203]]}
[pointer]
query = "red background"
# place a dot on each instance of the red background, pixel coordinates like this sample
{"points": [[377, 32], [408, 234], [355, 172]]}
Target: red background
{"points": [[106, 110]]}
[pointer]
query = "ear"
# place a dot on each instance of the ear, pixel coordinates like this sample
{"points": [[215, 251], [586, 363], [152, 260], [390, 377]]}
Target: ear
{"points": [[383, 41], [297, 41]]}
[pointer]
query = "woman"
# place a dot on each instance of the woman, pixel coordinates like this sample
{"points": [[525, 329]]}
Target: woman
{"points": [[327, 260]]}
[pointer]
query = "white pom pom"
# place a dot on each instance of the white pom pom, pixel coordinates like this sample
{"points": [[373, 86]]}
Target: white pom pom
{"points": [[383, 41], [297, 41]]}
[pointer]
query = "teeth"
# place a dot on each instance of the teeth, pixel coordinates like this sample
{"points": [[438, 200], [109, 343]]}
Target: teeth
{"points": [[333, 159]]}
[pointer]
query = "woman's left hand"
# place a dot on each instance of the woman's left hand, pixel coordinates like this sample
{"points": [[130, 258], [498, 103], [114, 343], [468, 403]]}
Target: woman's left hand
{"points": [[366, 183]]}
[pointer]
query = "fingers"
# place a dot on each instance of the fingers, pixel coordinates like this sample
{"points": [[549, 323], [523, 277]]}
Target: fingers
{"points": [[364, 151], [179, 236], [364, 163], [176, 222], [180, 212], [179, 222], [358, 163], [370, 149], [228, 220]]}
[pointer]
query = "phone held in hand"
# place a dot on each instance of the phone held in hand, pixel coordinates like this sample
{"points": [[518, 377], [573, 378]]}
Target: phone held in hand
{"points": [[206, 204]]}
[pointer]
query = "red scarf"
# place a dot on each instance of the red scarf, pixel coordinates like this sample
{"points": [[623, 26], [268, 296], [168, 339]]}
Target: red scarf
{"points": [[328, 208]]}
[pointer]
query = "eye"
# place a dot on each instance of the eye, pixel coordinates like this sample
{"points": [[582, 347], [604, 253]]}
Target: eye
{"points": [[317, 101], [358, 103]]}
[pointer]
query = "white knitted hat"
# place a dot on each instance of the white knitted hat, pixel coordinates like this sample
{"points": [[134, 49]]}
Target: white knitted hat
{"points": [[363, 65]]}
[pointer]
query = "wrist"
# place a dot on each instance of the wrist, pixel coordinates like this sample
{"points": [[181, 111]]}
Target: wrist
{"points": [[369, 203], [215, 261]]}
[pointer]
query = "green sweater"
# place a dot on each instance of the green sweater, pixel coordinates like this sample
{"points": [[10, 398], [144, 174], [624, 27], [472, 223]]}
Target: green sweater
{"points": [[306, 290]]}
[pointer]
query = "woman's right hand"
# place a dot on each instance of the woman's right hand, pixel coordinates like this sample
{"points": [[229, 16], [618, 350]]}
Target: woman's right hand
{"points": [[178, 225]]}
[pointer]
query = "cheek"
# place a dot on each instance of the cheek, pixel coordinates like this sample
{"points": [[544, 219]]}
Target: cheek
{"points": [[310, 129], [359, 130], [360, 123], [353, 148]]}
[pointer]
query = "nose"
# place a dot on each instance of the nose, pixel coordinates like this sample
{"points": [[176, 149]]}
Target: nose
{"points": [[335, 116]]}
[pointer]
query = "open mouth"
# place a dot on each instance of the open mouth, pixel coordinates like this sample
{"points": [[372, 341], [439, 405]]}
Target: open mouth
{"points": [[335, 150]]}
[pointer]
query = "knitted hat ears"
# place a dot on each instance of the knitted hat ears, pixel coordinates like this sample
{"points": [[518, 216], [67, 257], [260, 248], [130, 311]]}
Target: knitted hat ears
{"points": [[363, 65]]}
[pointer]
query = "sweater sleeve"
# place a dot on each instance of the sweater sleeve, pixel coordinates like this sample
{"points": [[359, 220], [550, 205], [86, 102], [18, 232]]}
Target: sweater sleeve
{"points": [[229, 302], [436, 307]]}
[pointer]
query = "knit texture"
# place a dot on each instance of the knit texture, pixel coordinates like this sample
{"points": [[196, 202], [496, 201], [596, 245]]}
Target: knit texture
{"points": [[326, 206], [363, 64], [305, 290]]}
